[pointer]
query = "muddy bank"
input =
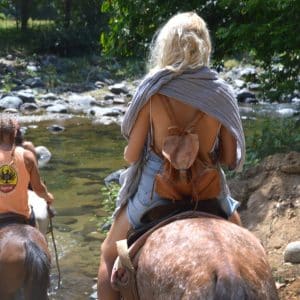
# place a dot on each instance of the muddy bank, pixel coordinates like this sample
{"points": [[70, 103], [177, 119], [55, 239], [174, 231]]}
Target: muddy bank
{"points": [[270, 197]]}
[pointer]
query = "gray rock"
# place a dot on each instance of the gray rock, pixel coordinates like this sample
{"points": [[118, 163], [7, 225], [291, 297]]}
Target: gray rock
{"points": [[9, 57], [29, 107], [49, 96], [80, 102], [118, 88], [66, 220], [11, 110], [105, 121], [32, 68], [55, 128], [248, 71], [10, 102], [106, 111], [254, 86], [94, 296], [26, 95], [119, 100], [109, 97], [57, 108], [43, 155], [17, 81], [99, 84], [295, 100], [35, 82], [292, 252], [239, 83], [287, 112], [245, 95]]}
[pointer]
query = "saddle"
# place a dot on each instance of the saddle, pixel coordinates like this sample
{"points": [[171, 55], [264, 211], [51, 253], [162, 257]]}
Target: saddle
{"points": [[128, 249], [158, 214], [12, 218]]}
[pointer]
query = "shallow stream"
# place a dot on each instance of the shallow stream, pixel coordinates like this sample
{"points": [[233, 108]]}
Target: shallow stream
{"points": [[82, 155]]}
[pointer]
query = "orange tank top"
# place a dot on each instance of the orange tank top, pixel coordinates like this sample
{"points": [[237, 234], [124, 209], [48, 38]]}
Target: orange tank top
{"points": [[14, 180]]}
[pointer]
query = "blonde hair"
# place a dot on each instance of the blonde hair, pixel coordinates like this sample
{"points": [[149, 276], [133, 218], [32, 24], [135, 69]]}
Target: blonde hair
{"points": [[182, 43]]}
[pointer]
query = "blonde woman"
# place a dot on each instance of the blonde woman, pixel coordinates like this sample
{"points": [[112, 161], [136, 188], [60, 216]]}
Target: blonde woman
{"points": [[180, 75]]}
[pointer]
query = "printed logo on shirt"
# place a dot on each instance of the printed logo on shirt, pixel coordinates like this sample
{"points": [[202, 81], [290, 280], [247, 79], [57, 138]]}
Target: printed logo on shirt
{"points": [[8, 178]]}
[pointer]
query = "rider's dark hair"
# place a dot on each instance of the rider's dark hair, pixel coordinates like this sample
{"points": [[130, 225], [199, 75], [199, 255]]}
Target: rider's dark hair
{"points": [[8, 127]]}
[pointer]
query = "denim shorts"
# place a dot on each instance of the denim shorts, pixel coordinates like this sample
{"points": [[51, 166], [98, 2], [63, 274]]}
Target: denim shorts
{"points": [[146, 198]]}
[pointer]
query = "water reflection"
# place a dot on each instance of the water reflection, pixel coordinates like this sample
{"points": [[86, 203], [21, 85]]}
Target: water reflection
{"points": [[82, 155]]}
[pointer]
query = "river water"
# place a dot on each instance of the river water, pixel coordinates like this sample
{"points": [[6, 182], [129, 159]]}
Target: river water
{"points": [[82, 155]]}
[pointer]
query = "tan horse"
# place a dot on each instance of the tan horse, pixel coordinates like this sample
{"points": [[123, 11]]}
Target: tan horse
{"points": [[24, 263], [203, 258]]}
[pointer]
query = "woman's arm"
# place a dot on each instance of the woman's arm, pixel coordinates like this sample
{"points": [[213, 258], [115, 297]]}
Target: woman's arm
{"points": [[227, 148], [37, 185], [138, 135]]}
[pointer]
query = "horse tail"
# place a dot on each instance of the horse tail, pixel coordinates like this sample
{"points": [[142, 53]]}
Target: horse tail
{"points": [[233, 287], [37, 264]]}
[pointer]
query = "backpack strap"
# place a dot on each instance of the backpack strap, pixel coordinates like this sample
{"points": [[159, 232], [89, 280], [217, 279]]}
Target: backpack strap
{"points": [[151, 144], [170, 112], [151, 125], [195, 121]]}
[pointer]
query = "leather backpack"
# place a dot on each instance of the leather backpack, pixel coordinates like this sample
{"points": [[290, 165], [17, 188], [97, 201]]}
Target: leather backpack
{"points": [[184, 176]]}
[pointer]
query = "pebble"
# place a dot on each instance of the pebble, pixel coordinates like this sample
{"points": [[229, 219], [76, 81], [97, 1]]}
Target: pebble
{"points": [[292, 252]]}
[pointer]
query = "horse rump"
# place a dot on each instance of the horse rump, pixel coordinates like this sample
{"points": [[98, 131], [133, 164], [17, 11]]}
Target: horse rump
{"points": [[203, 258], [37, 264]]}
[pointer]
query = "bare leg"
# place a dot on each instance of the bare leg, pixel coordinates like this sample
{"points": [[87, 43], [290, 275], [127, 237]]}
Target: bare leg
{"points": [[235, 218], [117, 232]]}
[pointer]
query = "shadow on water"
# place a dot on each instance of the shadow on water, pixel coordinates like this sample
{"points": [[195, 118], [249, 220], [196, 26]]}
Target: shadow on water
{"points": [[82, 156]]}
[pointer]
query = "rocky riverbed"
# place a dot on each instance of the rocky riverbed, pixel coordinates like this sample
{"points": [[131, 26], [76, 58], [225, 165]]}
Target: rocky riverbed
{"points": [[27, 89]]}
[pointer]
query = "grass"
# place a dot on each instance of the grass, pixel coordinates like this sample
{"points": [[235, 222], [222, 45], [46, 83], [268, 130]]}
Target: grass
{"points": [[14, 41]]}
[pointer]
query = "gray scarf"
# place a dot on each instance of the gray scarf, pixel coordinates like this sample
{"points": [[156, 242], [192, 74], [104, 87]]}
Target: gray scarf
{"points": [[200, 88]]}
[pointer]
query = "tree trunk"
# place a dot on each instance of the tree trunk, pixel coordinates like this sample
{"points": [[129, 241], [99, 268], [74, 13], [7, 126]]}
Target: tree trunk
{"points": [[68, 8], [25, 13]]}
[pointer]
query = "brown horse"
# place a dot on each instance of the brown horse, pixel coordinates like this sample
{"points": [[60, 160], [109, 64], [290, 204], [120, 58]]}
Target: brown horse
{"points": [[203, 257], [24, 263]]}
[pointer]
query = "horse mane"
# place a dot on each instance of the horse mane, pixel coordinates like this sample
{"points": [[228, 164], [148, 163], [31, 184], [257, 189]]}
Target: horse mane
{"points": [[37, 260], [37, 264]]}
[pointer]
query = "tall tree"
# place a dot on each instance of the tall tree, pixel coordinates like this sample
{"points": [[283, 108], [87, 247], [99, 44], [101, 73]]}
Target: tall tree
{"points": [[23, 10]]}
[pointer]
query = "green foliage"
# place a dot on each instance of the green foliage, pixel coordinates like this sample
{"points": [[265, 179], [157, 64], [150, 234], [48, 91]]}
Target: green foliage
{"points": [[132, 23], [72, 31], [263, 30], [266, 29], [7, 84], [128, 68], [269, 136]]}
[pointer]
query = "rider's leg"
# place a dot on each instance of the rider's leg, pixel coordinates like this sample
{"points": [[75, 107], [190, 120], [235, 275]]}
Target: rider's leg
{"points": [[117, 232]]}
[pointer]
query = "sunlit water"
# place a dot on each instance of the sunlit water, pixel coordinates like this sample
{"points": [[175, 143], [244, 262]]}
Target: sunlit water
{"points": [[82, 155]]}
